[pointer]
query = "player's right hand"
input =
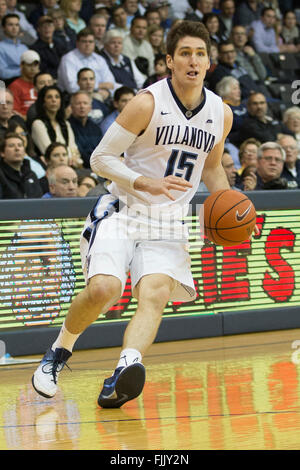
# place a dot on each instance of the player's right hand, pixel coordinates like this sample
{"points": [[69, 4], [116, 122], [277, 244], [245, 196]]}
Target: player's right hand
{"points": [[162, 185]]}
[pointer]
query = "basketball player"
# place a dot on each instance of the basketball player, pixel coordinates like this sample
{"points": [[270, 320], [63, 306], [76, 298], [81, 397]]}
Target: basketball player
{"points": [[171, 134]]}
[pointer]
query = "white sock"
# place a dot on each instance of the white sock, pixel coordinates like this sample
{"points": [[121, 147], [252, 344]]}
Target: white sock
{"points": [[129, 356], [65, 339]]}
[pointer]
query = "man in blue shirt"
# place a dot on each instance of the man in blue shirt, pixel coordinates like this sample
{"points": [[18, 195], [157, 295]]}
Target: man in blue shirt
{"points": [[11, 48], [264, 36], [87, 133]]}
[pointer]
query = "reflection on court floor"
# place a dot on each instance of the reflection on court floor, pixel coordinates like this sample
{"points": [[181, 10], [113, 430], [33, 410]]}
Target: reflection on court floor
{"points": [[238, 392]]}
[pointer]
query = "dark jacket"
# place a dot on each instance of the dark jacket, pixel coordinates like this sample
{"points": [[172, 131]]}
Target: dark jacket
{"points": [[289, 176], [87, 137], [18, 184], [122, 72], [262, 131], [50, 56]]}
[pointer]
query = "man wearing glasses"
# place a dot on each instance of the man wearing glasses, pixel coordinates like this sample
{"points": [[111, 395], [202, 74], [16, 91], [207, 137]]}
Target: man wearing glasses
{"points": [[271, 157]]}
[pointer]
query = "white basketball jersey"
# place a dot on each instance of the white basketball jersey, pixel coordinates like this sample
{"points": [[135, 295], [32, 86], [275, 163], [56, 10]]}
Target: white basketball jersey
{"points": [[176, 142]]}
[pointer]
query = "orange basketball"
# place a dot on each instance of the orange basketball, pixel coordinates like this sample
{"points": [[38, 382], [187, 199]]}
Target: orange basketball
{"points": [[229, 217]]}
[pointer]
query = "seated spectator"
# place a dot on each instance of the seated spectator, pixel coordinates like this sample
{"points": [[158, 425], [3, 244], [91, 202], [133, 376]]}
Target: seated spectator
{"points": [[23, 88], [87, 133], [36, 164], [62, 181], [270, 163], [41, 10], [17, 180], [246, 56], [291, 119], [132, 9], [56, 154], [3, 12], [229, 168], [119, 20], [137, 48], [40, 80], [199, 10], [7, 114], [87, 81], [161, 70], [227, 11], [263, 34], [121, 97], [248, 154], [230, 171], [152, 16], [11, 48], [71, 9], [227, 65], [51, 125], [179, 9], [123, 68], [291, 169], [229, 90], [62, 32], [98, 25], [247, 11], [50, 50], [155, 36], [86, 182], [212, 23], [27, 32], [290, 32], [259, 124], [164, 13], [84, 56], [247, 180]]}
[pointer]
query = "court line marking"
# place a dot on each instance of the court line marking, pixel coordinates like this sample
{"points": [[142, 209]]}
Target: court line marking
{"points": [[166, 418]]}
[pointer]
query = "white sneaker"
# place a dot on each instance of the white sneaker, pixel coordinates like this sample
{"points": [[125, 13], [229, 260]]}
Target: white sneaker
{"points": [[44, 380]]}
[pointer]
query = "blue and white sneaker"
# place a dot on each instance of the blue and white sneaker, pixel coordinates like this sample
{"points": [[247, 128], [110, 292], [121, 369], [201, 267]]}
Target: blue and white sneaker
{"points": [[44, 380], [126, 384]]}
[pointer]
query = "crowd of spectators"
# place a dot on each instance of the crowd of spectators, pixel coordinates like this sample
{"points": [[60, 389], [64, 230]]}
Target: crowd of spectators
{"points": [[70, 66]]}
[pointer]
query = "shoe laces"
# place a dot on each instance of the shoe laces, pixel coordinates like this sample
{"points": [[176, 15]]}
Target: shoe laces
{"points": [[56, 365]]}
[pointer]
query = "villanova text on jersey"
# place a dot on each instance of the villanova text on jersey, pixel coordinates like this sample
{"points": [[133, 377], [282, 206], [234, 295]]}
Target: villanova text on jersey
{"points": [[185, 135]]}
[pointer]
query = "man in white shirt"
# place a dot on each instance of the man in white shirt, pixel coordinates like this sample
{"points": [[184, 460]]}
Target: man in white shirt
{"points": [[135, 45], [85, 56]]}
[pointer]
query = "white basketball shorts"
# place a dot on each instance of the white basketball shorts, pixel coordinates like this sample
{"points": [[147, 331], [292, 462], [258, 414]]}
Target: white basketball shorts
{"points": [[115, 243]]}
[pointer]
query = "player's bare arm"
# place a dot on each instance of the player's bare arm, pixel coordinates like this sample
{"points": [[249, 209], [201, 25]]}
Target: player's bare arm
{"points": [[213, 173], [130, 123]]}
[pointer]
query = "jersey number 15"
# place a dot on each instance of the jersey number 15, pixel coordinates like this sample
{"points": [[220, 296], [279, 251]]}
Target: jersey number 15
{"points": [[183, 161]]}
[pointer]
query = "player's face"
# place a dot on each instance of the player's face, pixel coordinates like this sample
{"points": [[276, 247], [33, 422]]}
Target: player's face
{"points": [[190, 61]]}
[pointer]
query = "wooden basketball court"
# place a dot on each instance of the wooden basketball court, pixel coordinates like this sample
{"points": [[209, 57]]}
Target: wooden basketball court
{"points": [[235, 392]]}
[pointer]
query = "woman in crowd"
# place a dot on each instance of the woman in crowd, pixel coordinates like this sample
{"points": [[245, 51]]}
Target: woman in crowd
{"points": [[155, 35], [51, 124], [71, 8]]}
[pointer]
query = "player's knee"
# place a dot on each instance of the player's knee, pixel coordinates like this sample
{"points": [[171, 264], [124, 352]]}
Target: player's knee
{"points": [[104, 290], [156, 295]]}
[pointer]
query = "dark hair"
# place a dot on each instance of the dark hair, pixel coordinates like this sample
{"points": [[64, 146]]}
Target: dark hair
{"points": [[60, 116], [159, 57], [7, 17], [84, 69], [225, 43], [263, 11], [9, 135], [37, 75], [209, 16], [50, 149], [12, 126], [83, 33], [123, 90], [184, 28]]}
